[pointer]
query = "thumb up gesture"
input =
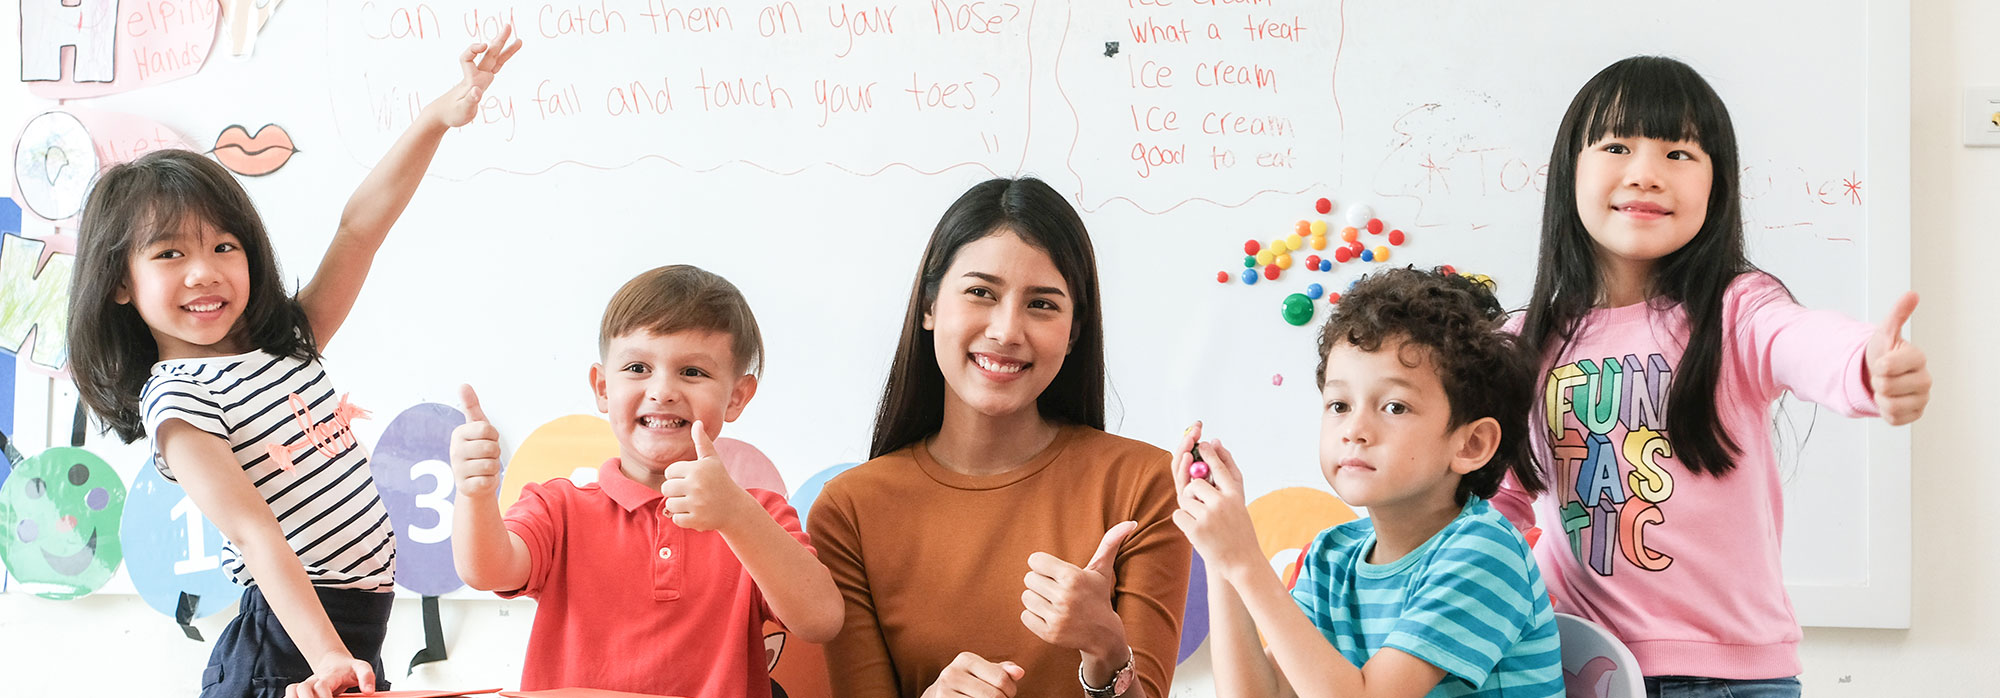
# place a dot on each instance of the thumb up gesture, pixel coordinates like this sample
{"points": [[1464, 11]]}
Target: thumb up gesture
{"points": [[475, 450], [1895, 367], [700, 495], [1070, 606]]}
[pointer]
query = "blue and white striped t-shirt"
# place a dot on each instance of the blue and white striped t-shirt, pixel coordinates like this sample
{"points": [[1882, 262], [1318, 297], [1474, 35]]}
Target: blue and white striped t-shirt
{"points": [[1469, 601], [290, 431]]}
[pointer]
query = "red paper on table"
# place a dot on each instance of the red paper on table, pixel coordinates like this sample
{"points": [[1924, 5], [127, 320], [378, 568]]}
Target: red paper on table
{"points": [[426, 694], [576, 693]]}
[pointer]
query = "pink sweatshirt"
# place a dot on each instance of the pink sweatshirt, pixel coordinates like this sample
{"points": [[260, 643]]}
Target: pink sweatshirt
{"points": [[1683, 567]]}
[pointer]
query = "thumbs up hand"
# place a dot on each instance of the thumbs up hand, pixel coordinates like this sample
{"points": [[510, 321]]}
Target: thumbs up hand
{"points": [[1070, 606], [700, 494], [1896, 370], [475, 450]]}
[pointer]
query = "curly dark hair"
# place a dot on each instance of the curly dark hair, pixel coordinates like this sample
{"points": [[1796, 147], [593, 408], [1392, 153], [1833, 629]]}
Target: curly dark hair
{"points": [[1459, 323]]}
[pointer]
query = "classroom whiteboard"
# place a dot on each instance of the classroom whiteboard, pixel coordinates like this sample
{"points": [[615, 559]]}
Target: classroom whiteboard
{"points": [[805, 148]]}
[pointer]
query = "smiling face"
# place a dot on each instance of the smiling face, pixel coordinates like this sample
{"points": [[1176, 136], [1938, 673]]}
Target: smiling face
{"points": [[654, 387], [1386, 439], [1642, 198], [59, 516], [190, 288], [1001, 324]]}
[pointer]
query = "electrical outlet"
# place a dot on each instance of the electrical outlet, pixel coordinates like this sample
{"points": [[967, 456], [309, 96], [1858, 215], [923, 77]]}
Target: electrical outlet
{"points": [[1982, 116]]}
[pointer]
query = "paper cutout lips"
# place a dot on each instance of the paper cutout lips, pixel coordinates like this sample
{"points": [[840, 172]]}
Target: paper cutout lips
{"points": [[254, 156]]}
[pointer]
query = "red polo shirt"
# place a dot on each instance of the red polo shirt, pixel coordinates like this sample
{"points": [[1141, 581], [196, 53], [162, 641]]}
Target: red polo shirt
{"points": [[628, 601]]}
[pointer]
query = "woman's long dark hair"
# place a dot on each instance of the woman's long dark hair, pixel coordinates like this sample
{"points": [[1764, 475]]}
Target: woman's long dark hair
{"points": [[1650, 97], [913, 400], [159, 195]]}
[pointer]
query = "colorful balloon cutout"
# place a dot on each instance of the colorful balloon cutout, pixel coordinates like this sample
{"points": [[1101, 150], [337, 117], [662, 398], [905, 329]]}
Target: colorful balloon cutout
{"points": [[802, 500], [1194, 621], [59, 515], [171, 549], [560, 448], [749, 467], [1287, 520], [412, 463]]}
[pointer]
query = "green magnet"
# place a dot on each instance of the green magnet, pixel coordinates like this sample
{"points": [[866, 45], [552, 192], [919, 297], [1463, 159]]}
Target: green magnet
{"points": [[1298, 309]]}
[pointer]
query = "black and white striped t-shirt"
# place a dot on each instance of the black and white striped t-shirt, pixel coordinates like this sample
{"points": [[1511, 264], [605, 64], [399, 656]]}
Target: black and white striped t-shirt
{"points": [[290, 431]]}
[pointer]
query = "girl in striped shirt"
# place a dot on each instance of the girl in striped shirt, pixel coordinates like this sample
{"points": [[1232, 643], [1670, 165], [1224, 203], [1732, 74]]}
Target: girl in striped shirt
{"points": [[180, 330]]}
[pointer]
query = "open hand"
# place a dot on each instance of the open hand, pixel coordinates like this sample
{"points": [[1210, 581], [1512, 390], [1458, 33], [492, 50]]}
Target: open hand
{"points": [[479, 62]]}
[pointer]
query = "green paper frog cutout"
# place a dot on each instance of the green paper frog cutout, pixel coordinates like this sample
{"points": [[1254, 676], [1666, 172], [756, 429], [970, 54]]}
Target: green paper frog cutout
{"points": [[59, 518]]}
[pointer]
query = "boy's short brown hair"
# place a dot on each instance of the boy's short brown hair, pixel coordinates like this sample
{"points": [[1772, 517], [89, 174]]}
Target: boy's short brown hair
{"points": [[1460, 325], [682, 297]]}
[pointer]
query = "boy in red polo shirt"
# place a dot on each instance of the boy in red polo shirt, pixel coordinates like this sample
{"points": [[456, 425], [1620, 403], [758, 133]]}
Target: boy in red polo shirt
{"points": [[658, 577]]}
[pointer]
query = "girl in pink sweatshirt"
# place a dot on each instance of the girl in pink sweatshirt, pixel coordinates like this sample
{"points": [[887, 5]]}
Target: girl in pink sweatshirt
{"points": [[1662, 349]]}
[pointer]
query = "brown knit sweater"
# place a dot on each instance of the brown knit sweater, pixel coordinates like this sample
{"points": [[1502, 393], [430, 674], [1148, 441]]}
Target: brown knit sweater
{"points": [[931, 562]]}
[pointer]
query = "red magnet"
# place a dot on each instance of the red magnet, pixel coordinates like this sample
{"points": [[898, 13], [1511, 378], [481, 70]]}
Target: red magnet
{"points": [[1396, 236], [1271, 272], [1222, 277], [1324, 206], [1251, 247], [1374, 226], [1343, 254]]}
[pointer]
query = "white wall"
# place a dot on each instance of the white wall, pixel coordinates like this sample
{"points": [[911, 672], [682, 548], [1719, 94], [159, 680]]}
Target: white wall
{"points": [[107, 641], [1955, 553]]}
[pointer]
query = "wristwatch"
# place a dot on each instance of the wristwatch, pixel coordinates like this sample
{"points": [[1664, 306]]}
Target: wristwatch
{"points": [[1120, 682]]}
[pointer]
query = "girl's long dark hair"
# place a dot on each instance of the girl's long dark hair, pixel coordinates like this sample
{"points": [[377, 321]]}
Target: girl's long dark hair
{"points": [[162, 194], [1651, 97], [913, 400]]}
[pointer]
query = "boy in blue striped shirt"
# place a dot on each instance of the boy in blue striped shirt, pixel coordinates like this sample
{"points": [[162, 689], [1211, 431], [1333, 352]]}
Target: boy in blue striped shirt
{"points": [[1425, 404]]}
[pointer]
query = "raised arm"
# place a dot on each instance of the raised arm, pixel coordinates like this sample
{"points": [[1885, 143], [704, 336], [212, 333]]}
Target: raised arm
{"points": [[387, 189], [1241, 668], [1218, 522], [488, 556]]}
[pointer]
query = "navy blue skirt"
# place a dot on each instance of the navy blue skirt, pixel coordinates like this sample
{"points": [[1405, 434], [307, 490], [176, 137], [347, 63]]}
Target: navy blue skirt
{"points": [[255, 658]]}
